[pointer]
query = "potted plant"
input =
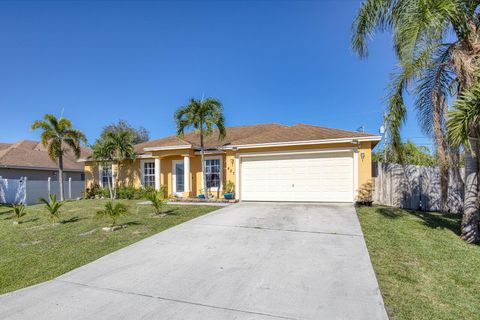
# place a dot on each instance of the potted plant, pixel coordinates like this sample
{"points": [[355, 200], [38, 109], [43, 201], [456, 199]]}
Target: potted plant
{"points": [[228, 190]]}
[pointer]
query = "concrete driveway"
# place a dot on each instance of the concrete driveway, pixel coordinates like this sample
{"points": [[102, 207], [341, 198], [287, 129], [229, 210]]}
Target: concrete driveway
{"points": [[247, 261]]}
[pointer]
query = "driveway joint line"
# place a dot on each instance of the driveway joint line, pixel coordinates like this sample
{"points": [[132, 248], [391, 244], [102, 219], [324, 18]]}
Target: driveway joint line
{"points": [[174, 300], [285, 230]]}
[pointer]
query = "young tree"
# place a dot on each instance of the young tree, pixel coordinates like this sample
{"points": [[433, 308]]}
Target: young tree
{"points": [[139, 134], [113, 211], [52, 206], [437, 45], [203, 116], [115, 147], [58, 137]]}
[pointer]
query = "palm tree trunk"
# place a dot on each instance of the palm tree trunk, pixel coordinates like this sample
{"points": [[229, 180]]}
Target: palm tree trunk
{"points": [[441, 146], [470, 232], [202, 156], [60, 176]]}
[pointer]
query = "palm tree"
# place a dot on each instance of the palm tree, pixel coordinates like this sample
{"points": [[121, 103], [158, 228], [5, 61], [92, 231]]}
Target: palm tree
{"points": [[115, 147], [52, 206], [58, 137], [113, 211], [437, 45], [203, 116]]}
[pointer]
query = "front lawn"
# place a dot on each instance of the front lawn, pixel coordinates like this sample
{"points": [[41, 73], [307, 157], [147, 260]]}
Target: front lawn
{"points": [[36, 250], [424, 270]]}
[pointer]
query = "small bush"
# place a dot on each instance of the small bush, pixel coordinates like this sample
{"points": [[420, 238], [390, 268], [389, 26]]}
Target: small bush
{"points": [[365, 194], [52, 206], [113, 211], [18, 212], [157, 198], [127, 193]]}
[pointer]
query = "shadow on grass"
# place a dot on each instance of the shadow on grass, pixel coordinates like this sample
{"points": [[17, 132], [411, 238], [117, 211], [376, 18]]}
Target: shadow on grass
{"points": [[132, 223], [30, 220], [435, 220], [72, 220], [171, 212]]}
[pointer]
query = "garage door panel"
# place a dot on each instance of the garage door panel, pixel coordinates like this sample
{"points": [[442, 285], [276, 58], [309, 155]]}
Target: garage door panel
{"points": [[314, 177]]}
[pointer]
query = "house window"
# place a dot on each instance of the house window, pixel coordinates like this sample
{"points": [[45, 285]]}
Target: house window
{"points": [[212, 173], [106, 175], [82, 176], [149, 174]]}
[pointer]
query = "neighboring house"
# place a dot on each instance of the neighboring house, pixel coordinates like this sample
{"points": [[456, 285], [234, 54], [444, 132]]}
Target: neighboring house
{"points": [[267, 162], [30, 159]]}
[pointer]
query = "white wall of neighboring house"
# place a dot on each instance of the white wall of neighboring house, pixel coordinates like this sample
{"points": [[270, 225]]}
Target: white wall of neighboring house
{"points": [[29, 191]]}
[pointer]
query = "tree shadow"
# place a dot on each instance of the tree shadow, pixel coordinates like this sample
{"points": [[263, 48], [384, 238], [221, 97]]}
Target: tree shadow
{"points": [[6, 211], [71, 220], [30, 220], [433, 220], [132, 223], [170, 212]]}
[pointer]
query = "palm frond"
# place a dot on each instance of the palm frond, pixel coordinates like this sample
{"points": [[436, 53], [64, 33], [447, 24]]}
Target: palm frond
{"points": [[464, 119]]}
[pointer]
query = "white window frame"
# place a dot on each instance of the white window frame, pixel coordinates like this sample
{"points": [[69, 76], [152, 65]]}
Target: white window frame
{"points": [[100, 175], [142, 169], [174, 177], [220, 158]]}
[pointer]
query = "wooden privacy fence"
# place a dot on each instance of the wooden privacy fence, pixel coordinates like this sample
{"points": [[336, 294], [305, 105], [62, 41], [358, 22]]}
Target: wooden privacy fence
{"points": [[415, 187]]}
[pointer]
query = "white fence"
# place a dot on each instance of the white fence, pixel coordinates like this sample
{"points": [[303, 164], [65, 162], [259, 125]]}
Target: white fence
{"points": [[415, 187], [29, 191]]}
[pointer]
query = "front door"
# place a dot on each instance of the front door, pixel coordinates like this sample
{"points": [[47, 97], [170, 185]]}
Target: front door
{"points": [[178, 177]]}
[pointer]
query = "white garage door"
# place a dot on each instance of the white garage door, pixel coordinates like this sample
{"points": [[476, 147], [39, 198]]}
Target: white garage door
{"points": [[324, 177]]}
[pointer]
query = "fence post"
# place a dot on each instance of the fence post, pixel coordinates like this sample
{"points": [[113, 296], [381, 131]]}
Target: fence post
{"points": [[70, 188], [49, 186], [24, 201]]}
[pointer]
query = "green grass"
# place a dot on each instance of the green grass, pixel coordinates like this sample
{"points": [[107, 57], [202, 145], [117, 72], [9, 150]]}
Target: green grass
{"points": [[36, 250], [424, 270]]}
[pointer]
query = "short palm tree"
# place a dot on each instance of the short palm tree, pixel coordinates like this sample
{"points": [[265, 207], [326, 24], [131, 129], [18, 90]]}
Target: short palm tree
{"points": [[18, 212], [437, 43], [53, 207], [113, 211], [58, 136], [157, 199], [202, 115], [114, 147]]}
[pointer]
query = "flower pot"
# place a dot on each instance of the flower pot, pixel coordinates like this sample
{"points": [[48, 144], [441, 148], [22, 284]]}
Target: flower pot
{"points": [[201, 196], [228, 196]]}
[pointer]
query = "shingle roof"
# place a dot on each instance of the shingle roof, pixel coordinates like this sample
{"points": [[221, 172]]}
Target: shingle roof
{"points": [[255, 134], [27, 153]]}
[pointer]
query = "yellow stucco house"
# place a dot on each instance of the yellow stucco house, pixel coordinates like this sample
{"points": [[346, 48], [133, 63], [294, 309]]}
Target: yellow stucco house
{"points": [[266, 162]]}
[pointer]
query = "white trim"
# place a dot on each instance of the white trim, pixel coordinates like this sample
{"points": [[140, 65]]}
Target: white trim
{"points": [[221, 173], [142, 170], [158, 168], [145, 156], [304, 142], [186, 146], [355, 174], [293, 152], [174, 178], [212, 152], [186, 174], [100, 175], [237, 177]]}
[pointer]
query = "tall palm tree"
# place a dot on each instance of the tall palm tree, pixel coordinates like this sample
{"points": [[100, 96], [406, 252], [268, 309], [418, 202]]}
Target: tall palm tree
{"points": [[437, 45], [203, 115], [115, 147], [58, 136]]}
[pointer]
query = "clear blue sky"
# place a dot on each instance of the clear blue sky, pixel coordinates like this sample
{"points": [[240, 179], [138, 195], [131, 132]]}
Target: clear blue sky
{"points": [[286, 62]]}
